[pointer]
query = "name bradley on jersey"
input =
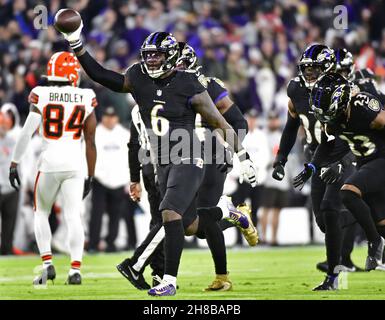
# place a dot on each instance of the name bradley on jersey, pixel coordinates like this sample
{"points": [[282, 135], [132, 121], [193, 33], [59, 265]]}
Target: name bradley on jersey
{"points": [[66, 97]]}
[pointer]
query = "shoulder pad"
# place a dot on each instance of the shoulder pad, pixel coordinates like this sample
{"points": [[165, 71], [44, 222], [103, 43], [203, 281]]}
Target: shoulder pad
{"points": [[203, 80], [218, 81], [366, 100], [134, 66], [292, 86], [35, 94]]}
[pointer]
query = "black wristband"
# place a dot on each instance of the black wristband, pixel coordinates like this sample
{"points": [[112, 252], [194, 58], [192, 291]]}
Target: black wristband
{"points": [[76, 46]]}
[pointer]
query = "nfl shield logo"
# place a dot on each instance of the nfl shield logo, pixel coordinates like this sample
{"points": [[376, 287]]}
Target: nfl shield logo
{"points": [[158, 93]]}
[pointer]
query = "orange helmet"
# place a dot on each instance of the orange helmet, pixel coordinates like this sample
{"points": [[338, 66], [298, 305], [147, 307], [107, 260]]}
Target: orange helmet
{"points": [[63, 66]]}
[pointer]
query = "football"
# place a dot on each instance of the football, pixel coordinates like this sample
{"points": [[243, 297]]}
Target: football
{"points": [[67, 20]]}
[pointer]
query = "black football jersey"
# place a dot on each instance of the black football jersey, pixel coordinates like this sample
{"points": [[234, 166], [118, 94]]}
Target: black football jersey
{"points": [[369, 85], [364, 142], [164, 105], [216, 90], [300, 97]]}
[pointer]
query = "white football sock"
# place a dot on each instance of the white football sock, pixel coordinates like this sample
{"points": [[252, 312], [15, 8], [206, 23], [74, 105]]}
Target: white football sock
{"points": [[170, 279], [43, 234], [222, 204]]}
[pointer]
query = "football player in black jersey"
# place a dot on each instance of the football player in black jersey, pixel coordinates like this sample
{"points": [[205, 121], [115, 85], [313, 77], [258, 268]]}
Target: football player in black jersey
{"points": [[220, 162], [208, 193], [316, 61], [359, 120], [138, 151], [345, 67], [169, 101]]}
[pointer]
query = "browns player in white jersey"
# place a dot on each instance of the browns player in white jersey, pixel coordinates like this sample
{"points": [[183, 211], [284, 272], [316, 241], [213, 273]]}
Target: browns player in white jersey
{"points": [[61, 112]]}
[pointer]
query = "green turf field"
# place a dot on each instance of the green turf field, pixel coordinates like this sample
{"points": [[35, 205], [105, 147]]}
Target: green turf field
{"points": [[282, 273]]}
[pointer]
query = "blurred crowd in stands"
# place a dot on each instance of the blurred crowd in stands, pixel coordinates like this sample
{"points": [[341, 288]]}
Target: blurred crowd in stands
{"points": [[252, 45]]}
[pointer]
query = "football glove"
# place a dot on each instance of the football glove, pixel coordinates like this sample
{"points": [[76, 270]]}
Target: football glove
{"points": [[333, 173], [87, 186], [14, 177], [300, 180], [248, 170], [279, 170], [73, 37]]}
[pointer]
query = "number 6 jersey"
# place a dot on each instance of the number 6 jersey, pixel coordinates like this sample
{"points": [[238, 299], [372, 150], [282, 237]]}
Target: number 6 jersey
{"points": [[63, 110], [167, 114]]}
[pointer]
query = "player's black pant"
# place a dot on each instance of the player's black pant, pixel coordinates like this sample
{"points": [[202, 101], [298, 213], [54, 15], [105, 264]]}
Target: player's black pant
{"points": [[146, 252], [211, 188], [8, 210], [330, 216], [370, 179], [105, 200], [157, 257], [128, 212]]}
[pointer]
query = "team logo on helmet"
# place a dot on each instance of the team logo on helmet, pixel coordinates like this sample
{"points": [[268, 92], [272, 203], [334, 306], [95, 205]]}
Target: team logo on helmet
{"points": [[160, 42], [63, 67]]}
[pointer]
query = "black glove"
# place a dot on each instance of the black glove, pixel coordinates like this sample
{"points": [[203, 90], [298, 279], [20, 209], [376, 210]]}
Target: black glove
{"points": [[333, 173], [300, 180], [279, 170], [227, 164], [14, 175], [87, 186]]}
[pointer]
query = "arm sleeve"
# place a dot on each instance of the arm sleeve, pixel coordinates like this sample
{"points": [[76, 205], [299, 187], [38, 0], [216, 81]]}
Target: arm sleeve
{"points": [[110, 79], [216, 89], [288, 138], [31, 124], [133, 151], [235, 118]]}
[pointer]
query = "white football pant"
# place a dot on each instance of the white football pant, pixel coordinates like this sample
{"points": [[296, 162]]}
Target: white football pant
{"points": [[70, 185]]}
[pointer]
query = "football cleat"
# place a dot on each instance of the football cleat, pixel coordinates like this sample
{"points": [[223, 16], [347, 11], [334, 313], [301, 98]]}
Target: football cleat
{"points": [[48, 273], [240, 217], [330, 283], [136, 278], [76, 278], [250, 233], [220, 283], [374, 258], [164, 288]]}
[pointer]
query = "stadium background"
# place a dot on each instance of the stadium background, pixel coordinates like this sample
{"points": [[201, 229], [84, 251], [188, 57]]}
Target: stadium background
{"points": [[253, 46]]}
